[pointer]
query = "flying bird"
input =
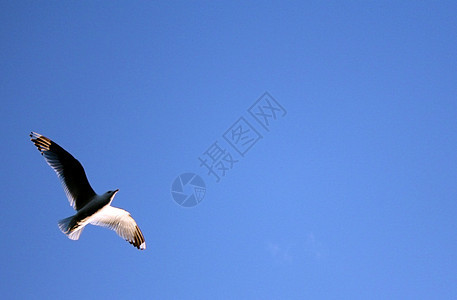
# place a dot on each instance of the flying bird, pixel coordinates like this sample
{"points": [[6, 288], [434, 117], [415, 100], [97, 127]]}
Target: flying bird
{"points": [[90, 207]]}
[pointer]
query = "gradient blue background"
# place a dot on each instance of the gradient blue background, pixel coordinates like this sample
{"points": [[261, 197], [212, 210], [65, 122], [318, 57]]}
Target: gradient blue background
{"points": [[352, 195]]}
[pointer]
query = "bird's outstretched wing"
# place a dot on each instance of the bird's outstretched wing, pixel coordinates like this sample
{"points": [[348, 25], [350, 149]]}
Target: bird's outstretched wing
{"points": [[69, 170], [122, 222]]}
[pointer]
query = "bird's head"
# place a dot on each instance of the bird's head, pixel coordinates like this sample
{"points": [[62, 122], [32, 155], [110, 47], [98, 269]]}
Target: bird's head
{"points": [[111, 194]]}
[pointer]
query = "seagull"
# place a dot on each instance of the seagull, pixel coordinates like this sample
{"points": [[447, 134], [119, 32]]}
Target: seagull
{"points": [[90, 207]]}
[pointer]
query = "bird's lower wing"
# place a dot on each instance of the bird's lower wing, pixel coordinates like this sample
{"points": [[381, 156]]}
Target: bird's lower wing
{"points": [[122, 222]]}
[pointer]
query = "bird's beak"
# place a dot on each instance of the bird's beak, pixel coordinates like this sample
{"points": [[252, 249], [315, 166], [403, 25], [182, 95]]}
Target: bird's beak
{"points": [[115, 191]]}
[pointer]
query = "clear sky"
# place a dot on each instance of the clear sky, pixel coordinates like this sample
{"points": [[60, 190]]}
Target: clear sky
{"points": [[350, 193]]}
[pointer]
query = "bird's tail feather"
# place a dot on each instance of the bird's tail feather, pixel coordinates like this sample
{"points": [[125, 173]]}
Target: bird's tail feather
{"points": [[65, 225]]}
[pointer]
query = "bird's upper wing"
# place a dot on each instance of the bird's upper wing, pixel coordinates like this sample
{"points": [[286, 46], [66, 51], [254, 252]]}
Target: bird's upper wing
{"points": [[122, 222], [69, 170]]}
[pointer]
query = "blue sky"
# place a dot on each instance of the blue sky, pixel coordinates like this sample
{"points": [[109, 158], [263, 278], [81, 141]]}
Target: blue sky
{"points": [[350, 195]]}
